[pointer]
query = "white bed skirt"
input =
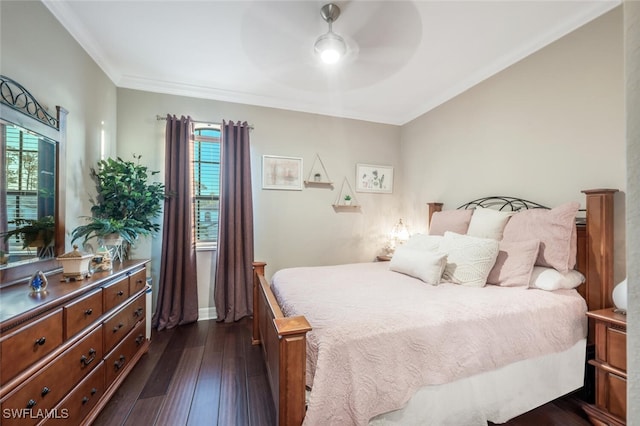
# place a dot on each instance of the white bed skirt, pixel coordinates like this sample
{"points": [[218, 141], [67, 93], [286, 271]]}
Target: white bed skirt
{"points": [[495, 396]]}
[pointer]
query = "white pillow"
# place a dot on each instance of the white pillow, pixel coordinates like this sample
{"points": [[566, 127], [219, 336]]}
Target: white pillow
{"points": [[469, 259], [488, 223], [424, 265], [551, 279], [424, 242]]}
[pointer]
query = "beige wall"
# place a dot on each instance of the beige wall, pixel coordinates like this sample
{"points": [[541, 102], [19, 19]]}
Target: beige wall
{"points": [[292, 228], [45, 59], [543, 129]]}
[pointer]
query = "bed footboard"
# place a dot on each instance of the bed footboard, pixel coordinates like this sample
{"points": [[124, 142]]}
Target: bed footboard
{"points": [[284, 346]]}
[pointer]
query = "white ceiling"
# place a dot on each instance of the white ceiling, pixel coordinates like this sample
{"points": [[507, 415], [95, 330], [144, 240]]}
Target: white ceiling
{"points": [[406, 57]]}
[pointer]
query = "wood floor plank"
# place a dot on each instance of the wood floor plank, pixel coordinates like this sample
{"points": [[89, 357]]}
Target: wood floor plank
{"points": [[145, 412], [233, 384], [116, 412], [177, 402], [206, 398]]}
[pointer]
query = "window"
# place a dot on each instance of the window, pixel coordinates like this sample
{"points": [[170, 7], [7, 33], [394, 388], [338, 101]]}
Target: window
{"points": [[206, 183]]}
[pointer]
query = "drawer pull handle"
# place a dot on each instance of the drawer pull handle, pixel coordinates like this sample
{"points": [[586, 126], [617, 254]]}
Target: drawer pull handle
{"points": [[139, 281], [93, 391], [31, 403], [88, 360], [85, 400], [139, 339], [118, 327], [45, 390], [118, 364], [120, 293], [88, 311], [41, 341], [138, 312]]}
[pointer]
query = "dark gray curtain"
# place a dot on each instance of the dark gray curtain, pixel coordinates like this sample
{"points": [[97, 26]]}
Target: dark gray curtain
{"points": [[177, 292], [233, 292], [4, 247]]}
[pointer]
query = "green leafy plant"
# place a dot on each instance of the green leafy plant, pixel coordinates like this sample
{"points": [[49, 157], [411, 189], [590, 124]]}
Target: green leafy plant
{"points": [[347, 197], [125, 204], [33, 231]]}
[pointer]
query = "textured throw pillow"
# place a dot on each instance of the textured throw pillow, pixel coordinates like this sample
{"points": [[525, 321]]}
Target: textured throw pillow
{"points": [[469, 259], [450, 220], [427, 266], [551, 279], [514, 263], [554, 228], [488, 223], [424, 242]]}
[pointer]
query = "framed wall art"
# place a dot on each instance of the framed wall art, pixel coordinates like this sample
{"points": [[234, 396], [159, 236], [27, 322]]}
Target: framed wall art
{"points": [[372, 178], [281, 173]]}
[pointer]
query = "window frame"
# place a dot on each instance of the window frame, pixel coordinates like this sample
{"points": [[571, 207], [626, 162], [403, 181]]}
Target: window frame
{"points": [[203, 245]]}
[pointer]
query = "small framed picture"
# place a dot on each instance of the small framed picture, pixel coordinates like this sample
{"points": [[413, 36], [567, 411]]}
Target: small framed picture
{"points": [[281, 173], [372, 178]]}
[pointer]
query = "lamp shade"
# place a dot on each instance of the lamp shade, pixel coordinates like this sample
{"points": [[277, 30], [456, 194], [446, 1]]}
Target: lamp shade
{"points": [[619, 295], [331, 47]]}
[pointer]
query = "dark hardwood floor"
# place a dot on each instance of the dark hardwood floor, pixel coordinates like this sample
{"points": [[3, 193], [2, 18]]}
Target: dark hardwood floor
{"points": [[208, 373]]}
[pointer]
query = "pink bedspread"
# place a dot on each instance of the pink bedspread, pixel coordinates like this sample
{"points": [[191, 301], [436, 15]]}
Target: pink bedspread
{"points": [[379, 335]]}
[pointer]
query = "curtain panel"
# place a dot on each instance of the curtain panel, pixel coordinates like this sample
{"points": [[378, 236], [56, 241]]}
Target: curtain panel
{"points": [[178, 291], [233, 291]]}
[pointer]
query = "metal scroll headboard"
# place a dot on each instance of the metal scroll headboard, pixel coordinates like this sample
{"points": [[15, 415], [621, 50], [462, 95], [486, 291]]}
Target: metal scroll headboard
{"points": [[502, 203]]}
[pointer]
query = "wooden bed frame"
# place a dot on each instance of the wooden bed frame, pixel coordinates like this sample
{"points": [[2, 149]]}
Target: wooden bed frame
{"points": [[283, 339]]}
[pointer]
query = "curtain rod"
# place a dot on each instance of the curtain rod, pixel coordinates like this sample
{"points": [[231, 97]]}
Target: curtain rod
{"points": [[161, 118]]}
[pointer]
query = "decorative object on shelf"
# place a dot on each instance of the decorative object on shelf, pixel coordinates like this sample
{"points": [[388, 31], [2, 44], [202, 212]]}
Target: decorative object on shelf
{"points": [[346, 200], [281, 173], [125, 205], [75, 265], [619, 295], [4, 258], [399, 235], [371, 178], [38, 282], [101, 260], [318, 175]]}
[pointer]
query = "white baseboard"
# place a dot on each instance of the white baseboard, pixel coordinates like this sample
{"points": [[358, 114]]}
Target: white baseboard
{"points": [[207, 313]]}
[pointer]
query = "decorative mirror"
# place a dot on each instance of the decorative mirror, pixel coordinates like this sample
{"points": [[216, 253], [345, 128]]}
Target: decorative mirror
{"points": [[31, 194]]}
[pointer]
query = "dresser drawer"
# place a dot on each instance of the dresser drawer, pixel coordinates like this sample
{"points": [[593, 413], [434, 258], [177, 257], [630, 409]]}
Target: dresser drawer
{"points": [[116, 327], [43, 390], [120, 357], [617, 348], [81, 313], [612, 393], [115, 293], [137, 281], [25, 345], [75, 406]]}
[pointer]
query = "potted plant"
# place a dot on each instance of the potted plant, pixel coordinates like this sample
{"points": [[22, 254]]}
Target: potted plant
{"points": [[33, 232], [126, 203], [347, 200]]}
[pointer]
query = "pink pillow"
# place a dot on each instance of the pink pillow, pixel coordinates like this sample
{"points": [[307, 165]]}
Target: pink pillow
{"points": [[556, 230], [514, 263], [450, 220]]}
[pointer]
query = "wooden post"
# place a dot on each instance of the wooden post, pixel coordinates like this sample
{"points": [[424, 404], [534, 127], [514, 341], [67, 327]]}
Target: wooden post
{"points": [[258, 269]]}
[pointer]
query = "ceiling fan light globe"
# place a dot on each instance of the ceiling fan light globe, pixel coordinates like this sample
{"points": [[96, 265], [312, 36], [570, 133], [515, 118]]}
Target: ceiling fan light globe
{"points": [[331, 47]]}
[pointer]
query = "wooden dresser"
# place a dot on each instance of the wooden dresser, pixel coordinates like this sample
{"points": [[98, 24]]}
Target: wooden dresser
{"points": [[64, 353], [611, 368]]}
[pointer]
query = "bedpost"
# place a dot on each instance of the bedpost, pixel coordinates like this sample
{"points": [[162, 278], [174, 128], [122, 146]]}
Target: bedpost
{"points": [[599, 260], [258, 269], [433, 207]]}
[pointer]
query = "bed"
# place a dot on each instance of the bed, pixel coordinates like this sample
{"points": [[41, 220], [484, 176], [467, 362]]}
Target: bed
{"points": [[338, 373]]}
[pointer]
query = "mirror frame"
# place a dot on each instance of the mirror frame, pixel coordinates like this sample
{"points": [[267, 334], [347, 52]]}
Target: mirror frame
{"points": [[19, 107]]}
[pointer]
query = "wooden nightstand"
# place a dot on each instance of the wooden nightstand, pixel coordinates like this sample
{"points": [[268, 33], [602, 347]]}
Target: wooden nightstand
{"points": [[611, 368]]}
